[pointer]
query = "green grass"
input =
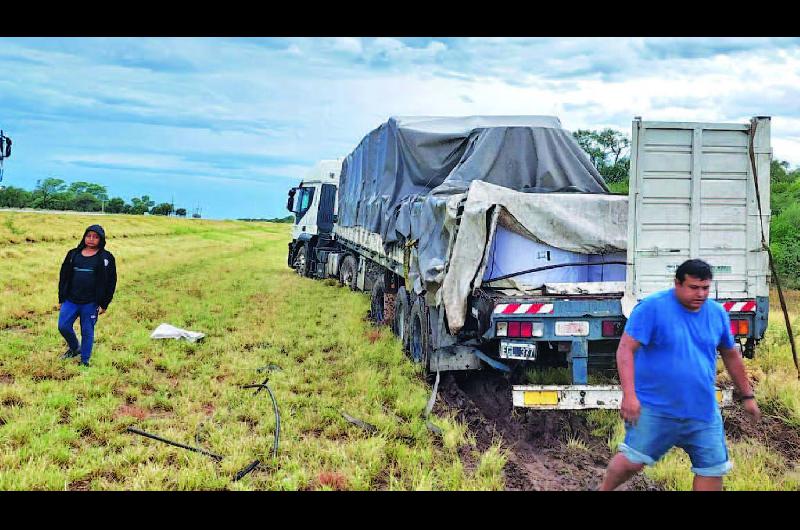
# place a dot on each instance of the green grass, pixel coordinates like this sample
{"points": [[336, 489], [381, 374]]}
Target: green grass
{"points": [[65, 428]]}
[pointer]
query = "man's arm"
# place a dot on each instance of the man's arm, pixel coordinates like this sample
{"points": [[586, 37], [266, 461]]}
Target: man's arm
{"points": [[63, 277], [111, 283], [732, 359], [630, 407]]}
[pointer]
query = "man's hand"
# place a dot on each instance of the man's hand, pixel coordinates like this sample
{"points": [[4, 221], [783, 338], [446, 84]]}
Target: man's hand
{"points": [[59, 307], [630, 408], [751, 407], [100, 310]]}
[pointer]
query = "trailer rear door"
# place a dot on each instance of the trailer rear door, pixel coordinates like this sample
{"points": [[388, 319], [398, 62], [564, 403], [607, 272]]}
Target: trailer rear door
{"points": [[692, 195]]}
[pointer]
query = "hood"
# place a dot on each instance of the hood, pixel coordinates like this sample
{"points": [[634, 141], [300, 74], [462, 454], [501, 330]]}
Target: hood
{"points": [[99, 230]]}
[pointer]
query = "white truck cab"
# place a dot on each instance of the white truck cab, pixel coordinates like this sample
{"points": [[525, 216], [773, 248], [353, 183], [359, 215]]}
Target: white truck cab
{"points": [[313, 202]]}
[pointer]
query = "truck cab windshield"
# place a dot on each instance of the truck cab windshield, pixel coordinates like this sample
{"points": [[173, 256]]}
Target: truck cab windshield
{"points": [[303, 200]]}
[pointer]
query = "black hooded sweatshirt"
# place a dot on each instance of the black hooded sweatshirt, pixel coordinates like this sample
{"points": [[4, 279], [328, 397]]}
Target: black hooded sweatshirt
{"points": [[105, 270]]}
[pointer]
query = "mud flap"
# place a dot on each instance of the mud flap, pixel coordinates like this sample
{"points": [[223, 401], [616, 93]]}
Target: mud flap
{"points": [[582, 397], [455, 358]]}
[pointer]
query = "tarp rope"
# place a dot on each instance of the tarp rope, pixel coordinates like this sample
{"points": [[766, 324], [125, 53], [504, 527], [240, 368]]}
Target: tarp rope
{"points": [[765, 246]]}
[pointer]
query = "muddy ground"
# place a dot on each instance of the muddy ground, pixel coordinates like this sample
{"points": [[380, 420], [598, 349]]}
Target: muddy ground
{"points": [[539, 457], [536, 441]]}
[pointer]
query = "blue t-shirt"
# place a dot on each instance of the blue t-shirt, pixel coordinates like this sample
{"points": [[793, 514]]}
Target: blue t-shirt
{"points": [[675, 368]]}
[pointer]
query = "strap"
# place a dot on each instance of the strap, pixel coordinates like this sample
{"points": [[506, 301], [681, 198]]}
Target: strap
{"points": [[753, 127]]}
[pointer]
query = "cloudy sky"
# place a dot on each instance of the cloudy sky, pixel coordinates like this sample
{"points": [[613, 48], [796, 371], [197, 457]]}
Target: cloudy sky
{"points": [[230, 124]]}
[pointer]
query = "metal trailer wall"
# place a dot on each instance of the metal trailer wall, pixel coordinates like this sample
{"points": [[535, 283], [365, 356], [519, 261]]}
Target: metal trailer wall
{"points": [[693, 196]]}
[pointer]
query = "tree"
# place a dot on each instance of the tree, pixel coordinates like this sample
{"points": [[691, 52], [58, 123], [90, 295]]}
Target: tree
{"points": [[164, 208], [180, 212], [48, 192], [116, 205], [86, 202], [141, 205], [607, 150], [12, 197], [96, 190]]}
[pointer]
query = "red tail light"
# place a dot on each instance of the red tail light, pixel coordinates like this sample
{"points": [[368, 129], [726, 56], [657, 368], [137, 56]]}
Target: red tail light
{"points": [[740, 327], [526, 329], [744, 327], [513, 329]]}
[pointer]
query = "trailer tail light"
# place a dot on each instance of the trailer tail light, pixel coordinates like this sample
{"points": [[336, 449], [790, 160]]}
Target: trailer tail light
{"points": [[502, 329], [613, 328], [740, 327], [519, 328]]}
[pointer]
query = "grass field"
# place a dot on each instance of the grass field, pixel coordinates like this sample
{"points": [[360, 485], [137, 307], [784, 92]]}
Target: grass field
{"points": [[62, 427], [65, 428]]}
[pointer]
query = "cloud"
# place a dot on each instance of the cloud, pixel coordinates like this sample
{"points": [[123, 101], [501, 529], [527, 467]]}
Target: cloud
{"points": [[242, 110]]}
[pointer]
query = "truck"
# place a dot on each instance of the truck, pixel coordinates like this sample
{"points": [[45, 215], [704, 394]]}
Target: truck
{"points": [[492, 242]]}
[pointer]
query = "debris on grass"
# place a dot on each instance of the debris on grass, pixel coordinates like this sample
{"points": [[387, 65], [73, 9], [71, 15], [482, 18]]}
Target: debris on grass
{"points": [[364, 425]]}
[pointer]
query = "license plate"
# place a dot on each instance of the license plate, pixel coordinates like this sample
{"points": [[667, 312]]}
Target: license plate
{"points": [[515, 350], [572, 329], [541, 397]]}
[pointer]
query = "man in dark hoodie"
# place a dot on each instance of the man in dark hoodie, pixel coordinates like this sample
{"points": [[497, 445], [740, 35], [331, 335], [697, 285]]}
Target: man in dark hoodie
{"points": [[85, 288]]}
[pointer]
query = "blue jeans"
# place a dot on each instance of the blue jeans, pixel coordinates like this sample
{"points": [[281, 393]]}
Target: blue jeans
{"points": [[704, 442], [66, 319]]}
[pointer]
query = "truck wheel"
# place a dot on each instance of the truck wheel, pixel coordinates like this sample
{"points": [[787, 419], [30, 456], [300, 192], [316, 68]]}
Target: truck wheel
{"points": [[419, 336], [376, 307], [402, 311], [301, 262], [348, 271]]}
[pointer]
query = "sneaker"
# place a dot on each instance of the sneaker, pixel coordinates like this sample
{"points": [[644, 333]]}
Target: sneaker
{"points": [[69, 354]]}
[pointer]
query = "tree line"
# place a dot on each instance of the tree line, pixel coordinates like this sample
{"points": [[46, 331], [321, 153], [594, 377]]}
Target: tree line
{"points": [[608, 151], [55, 194]]}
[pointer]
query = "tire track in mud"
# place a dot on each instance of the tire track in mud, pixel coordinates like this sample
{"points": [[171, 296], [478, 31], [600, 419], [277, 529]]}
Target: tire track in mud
{"points": [[535, 442]]}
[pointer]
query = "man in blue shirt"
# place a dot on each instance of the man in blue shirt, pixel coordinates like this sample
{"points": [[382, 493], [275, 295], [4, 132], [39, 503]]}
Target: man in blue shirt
{"points": [[667, 368]]}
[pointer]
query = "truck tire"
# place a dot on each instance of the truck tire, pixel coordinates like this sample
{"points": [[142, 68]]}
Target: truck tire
{"points": [[301, 261], [419, 336], [402, 313], [376, 306], [348, 272]]}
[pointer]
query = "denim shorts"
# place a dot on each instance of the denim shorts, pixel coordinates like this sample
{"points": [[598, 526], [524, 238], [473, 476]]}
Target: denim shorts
{"points": [[704, 442]]}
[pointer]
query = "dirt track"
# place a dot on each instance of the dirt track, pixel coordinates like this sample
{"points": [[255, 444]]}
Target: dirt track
{"points": [[538, 455]]}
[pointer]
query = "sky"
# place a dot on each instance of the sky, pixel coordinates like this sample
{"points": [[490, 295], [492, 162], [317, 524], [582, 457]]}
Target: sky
{"points": [[230, 124]]}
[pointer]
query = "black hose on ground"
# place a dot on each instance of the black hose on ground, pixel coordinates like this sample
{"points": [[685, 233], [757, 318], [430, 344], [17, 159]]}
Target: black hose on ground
{"points": [[176, 444], [254, 464], [277, 415]]}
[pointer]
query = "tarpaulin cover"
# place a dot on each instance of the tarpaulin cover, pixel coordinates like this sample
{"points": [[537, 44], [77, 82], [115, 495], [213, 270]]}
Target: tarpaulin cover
{"points": [[406, 179], [582, 223]]}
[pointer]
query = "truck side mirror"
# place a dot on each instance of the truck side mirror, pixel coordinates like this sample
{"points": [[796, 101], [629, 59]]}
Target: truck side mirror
{"points": [[290, 202]]}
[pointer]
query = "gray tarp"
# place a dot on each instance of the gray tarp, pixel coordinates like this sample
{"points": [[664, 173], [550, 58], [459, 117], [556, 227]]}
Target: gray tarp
{"points": [[405, 179], [577, 222]]}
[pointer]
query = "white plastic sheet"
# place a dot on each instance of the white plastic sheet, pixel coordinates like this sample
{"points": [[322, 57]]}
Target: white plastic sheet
{"points": [[167, 331]]}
